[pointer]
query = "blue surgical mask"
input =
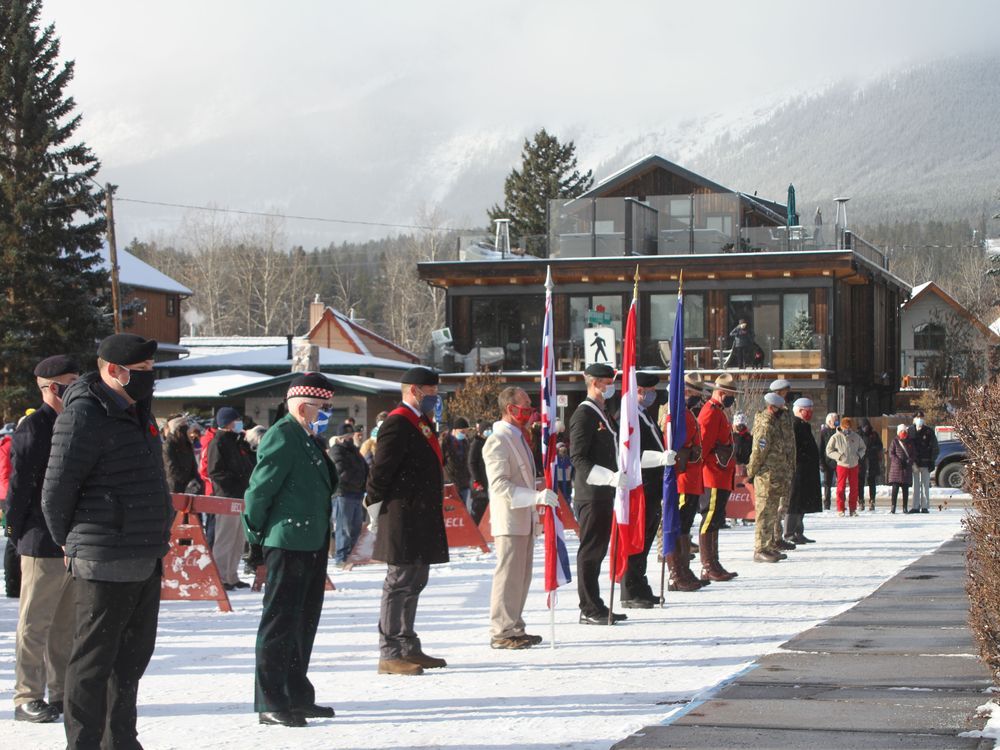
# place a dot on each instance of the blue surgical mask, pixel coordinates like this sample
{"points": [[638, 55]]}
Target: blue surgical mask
{"points": [[238, 425], [428, 404], [318, 426], [459, 436], [918, 422], [609, 392], [648, 398], [487, 433]]}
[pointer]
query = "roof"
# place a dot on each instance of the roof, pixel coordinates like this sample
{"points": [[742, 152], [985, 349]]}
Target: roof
{"points": [[276, 357], [206, 346], [356, 333], [352, 383], [929, 287], [206, 384], [139, 274]]}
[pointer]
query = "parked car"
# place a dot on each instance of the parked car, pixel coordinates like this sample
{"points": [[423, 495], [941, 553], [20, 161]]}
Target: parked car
{"points": [[950, 469]]}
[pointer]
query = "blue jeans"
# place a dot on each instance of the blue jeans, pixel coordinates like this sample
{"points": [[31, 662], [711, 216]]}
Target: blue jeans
{"points": [[348, 516]]}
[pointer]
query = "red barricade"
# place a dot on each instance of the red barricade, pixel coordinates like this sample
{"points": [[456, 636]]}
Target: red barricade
{"points": [[741, 503], [458, 525], [565, 515], [189, 570]]}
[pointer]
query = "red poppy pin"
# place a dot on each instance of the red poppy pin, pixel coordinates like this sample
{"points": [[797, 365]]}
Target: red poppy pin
{"points": [[152, 429]]}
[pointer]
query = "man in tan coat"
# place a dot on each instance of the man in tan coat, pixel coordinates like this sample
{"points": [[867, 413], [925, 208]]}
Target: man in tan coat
{"points": [[510, 468]]}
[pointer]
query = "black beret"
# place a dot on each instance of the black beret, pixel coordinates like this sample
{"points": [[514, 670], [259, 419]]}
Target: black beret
{"points": [[310, 385], [600, 371], [126, 349], [346, 429], [646, 379], [461, 423], [53, 367], [420, 376]]}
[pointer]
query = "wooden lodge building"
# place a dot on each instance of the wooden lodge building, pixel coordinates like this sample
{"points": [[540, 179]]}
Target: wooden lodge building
{"points": [[740, 258]]}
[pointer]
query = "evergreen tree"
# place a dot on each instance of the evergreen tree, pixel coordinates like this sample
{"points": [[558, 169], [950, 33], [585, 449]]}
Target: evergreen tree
{"points": [[548, 171], [54, 289], [800, 335]]}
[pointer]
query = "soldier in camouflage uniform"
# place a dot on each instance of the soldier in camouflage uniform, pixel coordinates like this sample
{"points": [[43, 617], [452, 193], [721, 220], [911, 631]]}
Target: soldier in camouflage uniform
{"points": [[782, 387], [769, 470]]}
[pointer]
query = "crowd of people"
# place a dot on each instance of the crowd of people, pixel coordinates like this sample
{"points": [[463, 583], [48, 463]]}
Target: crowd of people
{"points": [[88, 507]]}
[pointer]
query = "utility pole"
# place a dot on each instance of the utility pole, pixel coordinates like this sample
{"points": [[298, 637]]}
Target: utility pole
{"points": [[113, 255]]}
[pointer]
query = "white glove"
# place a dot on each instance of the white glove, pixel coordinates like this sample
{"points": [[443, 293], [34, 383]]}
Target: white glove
{"points": [[547, 497], [373, 511], [601, 477], [655, 459]]}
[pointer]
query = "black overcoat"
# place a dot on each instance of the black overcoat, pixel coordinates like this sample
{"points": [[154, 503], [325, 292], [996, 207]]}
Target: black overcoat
{"points": [[806, 495], [407, 478], [29, 455], [591, 443]]}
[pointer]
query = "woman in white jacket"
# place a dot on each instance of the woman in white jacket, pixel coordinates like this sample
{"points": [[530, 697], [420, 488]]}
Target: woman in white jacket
{"points": [[847, 448]]}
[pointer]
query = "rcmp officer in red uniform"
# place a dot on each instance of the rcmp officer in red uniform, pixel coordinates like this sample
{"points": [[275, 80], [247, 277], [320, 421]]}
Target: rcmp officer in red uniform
{"points": [[719, 473], [405, 496]]}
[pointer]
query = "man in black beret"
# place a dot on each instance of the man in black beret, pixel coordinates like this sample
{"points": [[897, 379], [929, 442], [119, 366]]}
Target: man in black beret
{"points": [[594, 452], [45, 619], [405, 497], [455, 449], [106, 502]]}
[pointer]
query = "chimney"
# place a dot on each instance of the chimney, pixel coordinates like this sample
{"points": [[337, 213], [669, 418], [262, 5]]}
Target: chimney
{"points": [[316, 309]]}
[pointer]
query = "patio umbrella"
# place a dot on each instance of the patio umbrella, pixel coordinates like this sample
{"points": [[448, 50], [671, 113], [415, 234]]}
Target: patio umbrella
{"points": [[792, 221]]}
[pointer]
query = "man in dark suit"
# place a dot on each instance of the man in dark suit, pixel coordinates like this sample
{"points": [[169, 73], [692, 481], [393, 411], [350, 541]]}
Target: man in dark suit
{"points": [[405, 497], [288, 514], [45, 622], [594, 452]]}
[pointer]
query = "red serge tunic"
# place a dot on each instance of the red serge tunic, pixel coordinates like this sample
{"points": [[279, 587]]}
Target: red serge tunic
{"points": [[689, 482], [716, 431]]}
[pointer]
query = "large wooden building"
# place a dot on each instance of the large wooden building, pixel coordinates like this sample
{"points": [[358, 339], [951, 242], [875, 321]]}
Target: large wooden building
{"points": [[739, 258]]}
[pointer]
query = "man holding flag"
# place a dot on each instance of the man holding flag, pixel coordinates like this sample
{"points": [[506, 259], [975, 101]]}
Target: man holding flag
{"points": [[594, 452]]}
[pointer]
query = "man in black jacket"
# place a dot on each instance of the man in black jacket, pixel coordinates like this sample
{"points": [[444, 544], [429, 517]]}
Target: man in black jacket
{"points": [[45, 618], [230, 464], [477, 471], [105, 501], [594, 452], [348, 512], [405, 499]]}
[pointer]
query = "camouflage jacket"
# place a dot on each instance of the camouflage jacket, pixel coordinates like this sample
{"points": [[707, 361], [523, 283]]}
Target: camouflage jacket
{"points": [[773, 447]]}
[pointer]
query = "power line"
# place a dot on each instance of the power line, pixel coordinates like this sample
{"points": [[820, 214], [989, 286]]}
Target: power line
{"points": [[325, 220]]}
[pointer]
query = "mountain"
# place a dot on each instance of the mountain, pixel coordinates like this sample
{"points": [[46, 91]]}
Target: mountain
{"points": [[921, 143]]}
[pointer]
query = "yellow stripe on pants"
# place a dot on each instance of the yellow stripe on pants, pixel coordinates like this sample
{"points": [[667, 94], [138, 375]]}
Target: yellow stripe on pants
{"points": [[706, 522]]}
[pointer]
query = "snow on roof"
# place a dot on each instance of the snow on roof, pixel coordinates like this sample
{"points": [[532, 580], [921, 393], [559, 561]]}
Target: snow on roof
{"points": [[277, 357], [995, 326], [137, 273], [206, 384], [363, 383], [919, 288], [209, 346]]}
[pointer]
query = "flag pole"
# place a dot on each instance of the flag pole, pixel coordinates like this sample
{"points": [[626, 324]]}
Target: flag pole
{"points": [[669, 443]]}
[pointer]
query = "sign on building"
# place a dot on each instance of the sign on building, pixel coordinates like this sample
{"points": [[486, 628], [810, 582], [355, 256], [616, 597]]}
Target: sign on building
{"points": [[599, 346]]}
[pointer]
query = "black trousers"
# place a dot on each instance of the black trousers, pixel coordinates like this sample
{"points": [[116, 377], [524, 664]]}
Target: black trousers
{"points": [[293, 602], [688, 506], [895, 493], [398, 612], [595, 533], [113, 642], [829, 482], [634, 582], [11, 570], [713, 509]]}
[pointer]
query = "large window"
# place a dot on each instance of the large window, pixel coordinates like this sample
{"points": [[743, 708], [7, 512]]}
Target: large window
{"points": [[770, 313], [792, 306], [582, 307], [508, 322], [663, 312], [929, 336]]}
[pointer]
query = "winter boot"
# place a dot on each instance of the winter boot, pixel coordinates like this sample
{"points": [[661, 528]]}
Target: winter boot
{"points": [[677, 562], [709, 571], [687, 556], [726, 575]]}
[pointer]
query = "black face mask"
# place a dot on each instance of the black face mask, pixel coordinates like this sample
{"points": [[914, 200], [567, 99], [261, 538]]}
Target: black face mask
{"points": [[140, 384], [693, 402], [60, 389], [728, 401]]}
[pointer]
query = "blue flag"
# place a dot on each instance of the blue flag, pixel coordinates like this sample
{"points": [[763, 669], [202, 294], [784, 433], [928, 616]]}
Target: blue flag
{"points": [[676, 430]]}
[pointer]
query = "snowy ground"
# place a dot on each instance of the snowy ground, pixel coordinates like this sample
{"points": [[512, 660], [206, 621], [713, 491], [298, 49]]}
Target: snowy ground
{"points": [[598, 685]]}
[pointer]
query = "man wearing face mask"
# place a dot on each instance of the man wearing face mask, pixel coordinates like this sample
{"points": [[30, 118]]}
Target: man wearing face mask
{"points": [[106, 502], [925, 453], [718, 474], [230, 463], [786, 443], [45, 617], [636, 591], [594, 452], [767, 468], [405, 498], [806, 497], [288, 513], [455, 449]]}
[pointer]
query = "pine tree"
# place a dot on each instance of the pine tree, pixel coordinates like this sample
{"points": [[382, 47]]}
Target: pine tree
{"points": [[54, 288], [548, 171], [800, 335]]}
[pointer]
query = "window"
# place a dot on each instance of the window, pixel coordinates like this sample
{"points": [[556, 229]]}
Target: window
{"points": [[792, 306], [928, 336], [507, 322], [663, 312], [171, 306], [581, 307], [722, 224]]}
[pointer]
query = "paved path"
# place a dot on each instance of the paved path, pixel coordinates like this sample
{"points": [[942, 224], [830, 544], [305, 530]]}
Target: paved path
{"points": [[897, 670]]}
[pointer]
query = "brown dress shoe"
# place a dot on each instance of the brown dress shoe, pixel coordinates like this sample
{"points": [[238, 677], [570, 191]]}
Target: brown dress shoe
{"points": [[425, 661], [398, 666], [513, 642], [765, 556]]}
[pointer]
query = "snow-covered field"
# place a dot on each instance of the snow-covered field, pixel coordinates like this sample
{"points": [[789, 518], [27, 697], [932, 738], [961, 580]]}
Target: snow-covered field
{"points": [[598, 685]]}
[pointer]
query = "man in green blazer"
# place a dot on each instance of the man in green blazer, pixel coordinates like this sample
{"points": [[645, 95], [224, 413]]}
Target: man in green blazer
{"points": [[288, 513]]}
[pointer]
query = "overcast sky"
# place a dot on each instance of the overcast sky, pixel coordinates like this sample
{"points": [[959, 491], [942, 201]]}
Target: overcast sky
{"points": [[152, 77]]}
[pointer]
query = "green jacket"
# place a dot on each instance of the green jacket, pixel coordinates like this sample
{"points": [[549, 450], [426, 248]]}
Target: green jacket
{"points": [[288, 501]]}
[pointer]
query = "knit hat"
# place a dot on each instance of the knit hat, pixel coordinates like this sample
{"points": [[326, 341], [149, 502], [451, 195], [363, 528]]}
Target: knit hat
{"points": [[226, 416], [310, 385]]}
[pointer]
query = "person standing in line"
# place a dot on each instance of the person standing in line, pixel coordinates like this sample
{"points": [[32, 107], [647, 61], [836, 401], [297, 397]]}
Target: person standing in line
{"points": [[230, 464], [766, 470], [348, 511], [106, 503], [901, 466], [925, 453], [787, 442], [870, 469], [455, 448], [827, 431], [45, 616], [477, 471], [848, 450], [718, 474], [287, 513], [806, 496], [179, 461], [405, 500], [513, 518], [593, 448]]}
